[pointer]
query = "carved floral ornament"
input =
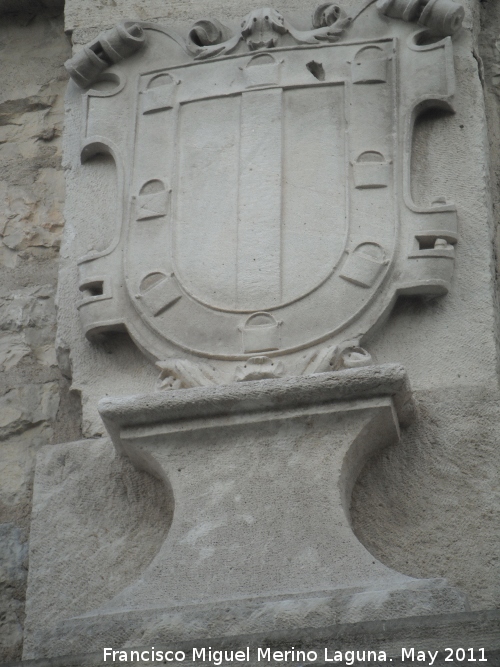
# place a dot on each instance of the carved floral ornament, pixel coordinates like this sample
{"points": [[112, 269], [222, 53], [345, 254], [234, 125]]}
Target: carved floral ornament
{"points": [[264, 226]]}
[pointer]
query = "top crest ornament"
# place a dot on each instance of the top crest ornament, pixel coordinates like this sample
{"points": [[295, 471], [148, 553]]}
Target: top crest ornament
{"points": [[265, 218]]}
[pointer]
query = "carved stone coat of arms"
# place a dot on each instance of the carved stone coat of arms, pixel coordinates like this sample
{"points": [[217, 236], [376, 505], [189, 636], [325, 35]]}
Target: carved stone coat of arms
{"points": [[265, 221]]}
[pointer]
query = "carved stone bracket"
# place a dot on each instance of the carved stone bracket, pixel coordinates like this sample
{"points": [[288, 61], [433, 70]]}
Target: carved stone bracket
{"points": [[262, 475]]}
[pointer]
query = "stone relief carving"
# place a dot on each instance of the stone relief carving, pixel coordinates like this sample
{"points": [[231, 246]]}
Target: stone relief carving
{"points": [[265, 221], [264, 225], [262, 28]]}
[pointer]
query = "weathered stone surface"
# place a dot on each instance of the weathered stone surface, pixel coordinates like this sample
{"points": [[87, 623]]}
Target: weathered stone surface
{"points": [[26, 406], [35, 408], [389, 380], [489, 67], [29, 308], [27, 9], [13, 573], [446, 520], [12, 350], [234, 458], [93, 509], [26, 416], [103, 13], [30, 123], [17, 461], [438, 634]]}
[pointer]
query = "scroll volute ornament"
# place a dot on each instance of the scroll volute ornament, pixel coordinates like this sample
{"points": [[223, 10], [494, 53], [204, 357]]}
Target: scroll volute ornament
{"points": [[263, 28], [110, 47], [208, 32], [440, 17], [326, 15]]}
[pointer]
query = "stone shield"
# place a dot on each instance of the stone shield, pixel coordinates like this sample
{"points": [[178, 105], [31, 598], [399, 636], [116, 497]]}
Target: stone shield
{"points": [[266, 194]]}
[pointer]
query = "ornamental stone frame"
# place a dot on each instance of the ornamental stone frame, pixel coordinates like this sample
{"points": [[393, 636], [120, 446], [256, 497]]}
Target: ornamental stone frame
{"points": [[254, 218]]}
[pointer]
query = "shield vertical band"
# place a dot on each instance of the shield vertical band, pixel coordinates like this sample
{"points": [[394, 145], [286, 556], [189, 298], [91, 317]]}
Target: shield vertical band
{"points": [[259, 205]]}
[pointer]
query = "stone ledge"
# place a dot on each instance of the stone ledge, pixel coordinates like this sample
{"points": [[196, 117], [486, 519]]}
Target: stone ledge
{"points": [[425, 633], [261, 395]]}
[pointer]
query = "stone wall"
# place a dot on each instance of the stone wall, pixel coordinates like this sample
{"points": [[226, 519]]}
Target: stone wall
{"points": [[427, 508], [36, 407]]}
